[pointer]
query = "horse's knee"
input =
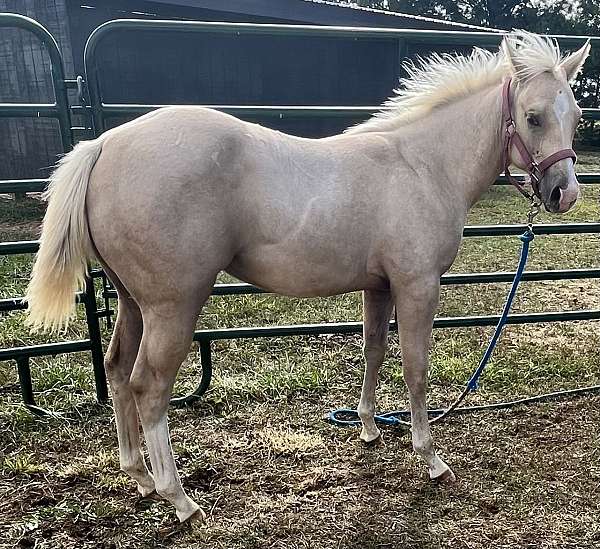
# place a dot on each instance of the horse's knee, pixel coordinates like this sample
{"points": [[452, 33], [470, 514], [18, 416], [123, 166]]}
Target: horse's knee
{"points": [[416, 381], [138, 384], [147, 383], [374, 352]]}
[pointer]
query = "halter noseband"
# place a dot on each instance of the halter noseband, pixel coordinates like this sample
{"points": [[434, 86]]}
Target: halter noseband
{"points": [[511, 137]]}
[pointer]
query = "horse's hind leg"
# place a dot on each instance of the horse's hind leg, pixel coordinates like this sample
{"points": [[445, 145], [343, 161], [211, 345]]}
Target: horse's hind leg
{"points": [[416, 303], [168, 330], [119, 361]]}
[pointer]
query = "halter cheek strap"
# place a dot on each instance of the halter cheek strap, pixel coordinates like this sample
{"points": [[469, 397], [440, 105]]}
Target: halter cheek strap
{"points": [[512, 138]]}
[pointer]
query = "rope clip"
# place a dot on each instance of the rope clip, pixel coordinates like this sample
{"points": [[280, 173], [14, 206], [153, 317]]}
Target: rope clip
{"points": [[534, 210]]}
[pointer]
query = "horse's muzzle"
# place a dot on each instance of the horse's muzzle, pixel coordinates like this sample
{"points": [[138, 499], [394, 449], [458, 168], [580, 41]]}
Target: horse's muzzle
{"points": [[563, 196]]}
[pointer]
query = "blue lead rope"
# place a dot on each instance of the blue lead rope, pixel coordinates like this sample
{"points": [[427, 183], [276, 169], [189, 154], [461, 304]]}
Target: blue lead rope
{"points": [[526, 239], [345, 417]]}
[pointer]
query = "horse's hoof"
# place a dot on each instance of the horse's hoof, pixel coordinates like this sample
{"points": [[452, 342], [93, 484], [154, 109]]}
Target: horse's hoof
{"points": [[371, 440], [196, 516], [374, 443], [447, 477]]}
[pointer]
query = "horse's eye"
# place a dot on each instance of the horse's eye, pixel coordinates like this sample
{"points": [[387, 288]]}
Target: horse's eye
{"points": [[533, 120]]}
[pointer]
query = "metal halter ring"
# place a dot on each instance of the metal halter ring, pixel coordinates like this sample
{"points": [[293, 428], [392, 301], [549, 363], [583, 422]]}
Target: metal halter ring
{"points": [[534, 209]]}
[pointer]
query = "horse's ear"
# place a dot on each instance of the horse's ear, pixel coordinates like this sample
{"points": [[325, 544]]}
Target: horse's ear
{"points": [[573, 63], [509, 50]]}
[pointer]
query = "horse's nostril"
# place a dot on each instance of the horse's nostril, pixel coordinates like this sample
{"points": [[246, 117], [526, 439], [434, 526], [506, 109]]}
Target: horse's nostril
{"points": [[555, 195]]}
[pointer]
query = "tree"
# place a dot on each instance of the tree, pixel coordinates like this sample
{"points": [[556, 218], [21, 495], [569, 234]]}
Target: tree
{"points": [[558, 16]]}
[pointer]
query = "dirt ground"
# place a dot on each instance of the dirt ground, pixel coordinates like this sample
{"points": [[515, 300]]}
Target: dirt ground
{"points": [[277, 476]]}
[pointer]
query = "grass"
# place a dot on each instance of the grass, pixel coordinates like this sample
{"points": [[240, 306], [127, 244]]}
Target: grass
{"points": [[270, 473]]}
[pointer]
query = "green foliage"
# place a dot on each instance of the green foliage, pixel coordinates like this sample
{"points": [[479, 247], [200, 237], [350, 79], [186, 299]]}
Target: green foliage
{"points": [[553, 16]]}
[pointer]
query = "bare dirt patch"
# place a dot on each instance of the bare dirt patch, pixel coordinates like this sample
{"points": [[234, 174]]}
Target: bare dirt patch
{"points": [[277, 476]]}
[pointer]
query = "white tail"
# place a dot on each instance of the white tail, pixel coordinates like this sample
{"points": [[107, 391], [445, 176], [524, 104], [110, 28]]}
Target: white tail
{"points": [[61, 263]]}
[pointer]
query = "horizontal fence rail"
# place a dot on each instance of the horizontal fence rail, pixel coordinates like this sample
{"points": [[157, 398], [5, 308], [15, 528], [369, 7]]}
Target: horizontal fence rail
{"points": [[11, 186], [97, 112], [46, 349], [266, 111], [347, 328], [24, 186]]}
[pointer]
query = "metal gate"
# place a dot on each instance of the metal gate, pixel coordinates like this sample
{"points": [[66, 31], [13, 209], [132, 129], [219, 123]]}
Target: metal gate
{"points": [[58, 110]]}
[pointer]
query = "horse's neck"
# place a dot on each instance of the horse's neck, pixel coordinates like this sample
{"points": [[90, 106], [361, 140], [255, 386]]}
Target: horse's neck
{"points": [[463, 143], [478, 132]]}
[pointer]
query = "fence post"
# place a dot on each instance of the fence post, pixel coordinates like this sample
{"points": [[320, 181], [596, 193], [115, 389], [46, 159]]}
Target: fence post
{"points": [[91, 316], [206, 364], [24, 373]]}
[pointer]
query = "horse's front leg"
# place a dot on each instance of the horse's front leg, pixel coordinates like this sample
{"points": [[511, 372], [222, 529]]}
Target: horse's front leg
{"points": [[377, 308], [416, 304]]}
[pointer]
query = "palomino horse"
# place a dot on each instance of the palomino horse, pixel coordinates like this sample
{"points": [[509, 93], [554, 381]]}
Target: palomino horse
{"points": [[169, 200]]}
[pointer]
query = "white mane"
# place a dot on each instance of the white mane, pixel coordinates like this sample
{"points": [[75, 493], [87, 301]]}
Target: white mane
{"points": [[442, 78]]}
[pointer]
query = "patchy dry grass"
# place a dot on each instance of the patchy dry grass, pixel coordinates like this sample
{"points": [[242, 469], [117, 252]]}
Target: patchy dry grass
{"points": [[266, 468]]}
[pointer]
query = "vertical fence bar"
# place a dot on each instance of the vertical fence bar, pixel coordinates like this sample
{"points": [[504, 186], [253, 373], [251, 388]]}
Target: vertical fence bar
{"points": [[24, 373], [64, 113], [402, 52], [92, 80], [91, 315], [206, 364], [105, 289]]}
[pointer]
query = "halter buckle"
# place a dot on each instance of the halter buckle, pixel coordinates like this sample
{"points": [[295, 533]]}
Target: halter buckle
{"points": [[535, 172], [511, 129]]}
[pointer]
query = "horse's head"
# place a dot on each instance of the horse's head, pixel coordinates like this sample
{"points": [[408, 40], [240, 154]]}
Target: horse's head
{"points": [[545, 116]]}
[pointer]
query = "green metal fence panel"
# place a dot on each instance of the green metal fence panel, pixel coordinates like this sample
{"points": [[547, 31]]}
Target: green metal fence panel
{"points": [[401, 37], [59, 110]]}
